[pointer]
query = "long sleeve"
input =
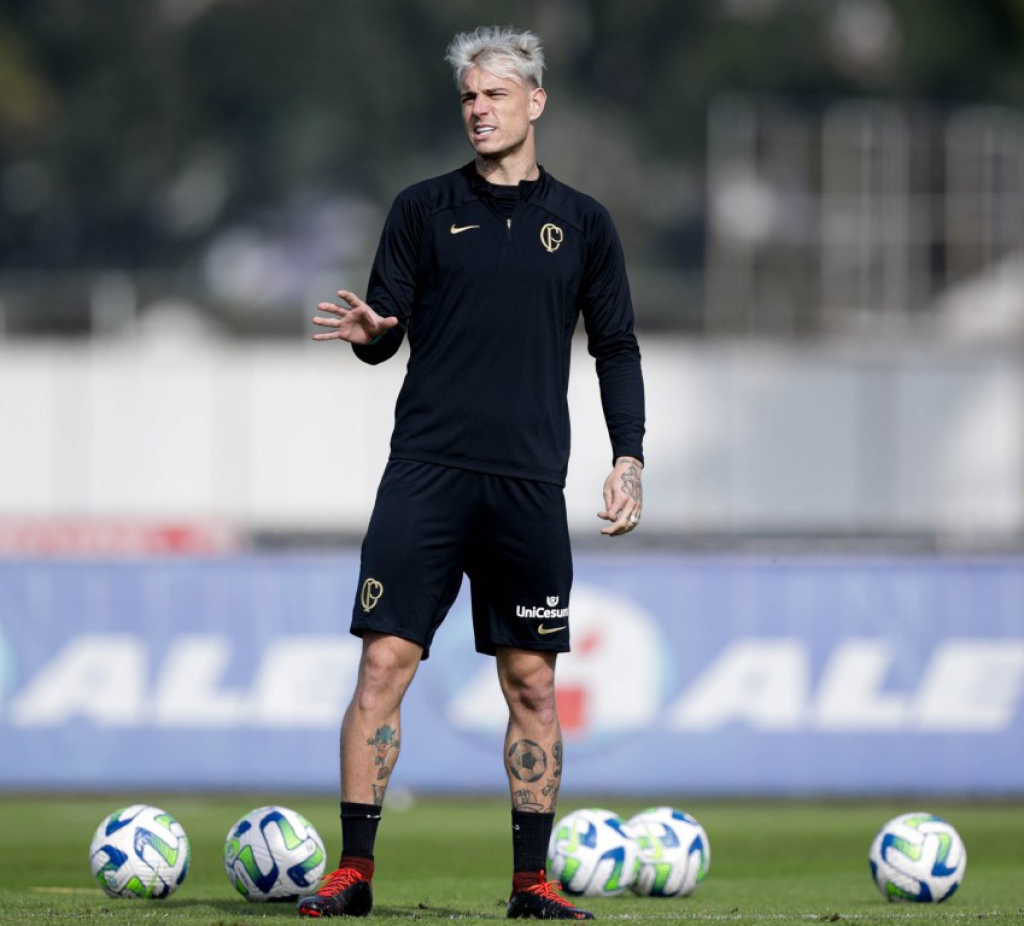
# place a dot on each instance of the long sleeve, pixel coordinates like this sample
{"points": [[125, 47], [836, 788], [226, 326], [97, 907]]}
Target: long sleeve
{"points": [[608, 318]]}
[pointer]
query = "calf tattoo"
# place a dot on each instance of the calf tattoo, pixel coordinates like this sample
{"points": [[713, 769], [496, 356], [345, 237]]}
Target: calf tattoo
{"points": [[526, 801], [385, 743], [551, 788], [527, 761]]}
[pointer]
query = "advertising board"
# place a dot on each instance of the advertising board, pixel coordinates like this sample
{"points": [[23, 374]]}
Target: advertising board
{"points": [[749, 676]]}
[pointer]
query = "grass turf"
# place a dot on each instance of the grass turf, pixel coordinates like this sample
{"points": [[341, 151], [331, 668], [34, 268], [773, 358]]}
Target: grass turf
{"points": [[772, 862]]}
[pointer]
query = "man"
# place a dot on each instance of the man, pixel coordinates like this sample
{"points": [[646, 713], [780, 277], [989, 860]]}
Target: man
{"points": [[487, 270]]}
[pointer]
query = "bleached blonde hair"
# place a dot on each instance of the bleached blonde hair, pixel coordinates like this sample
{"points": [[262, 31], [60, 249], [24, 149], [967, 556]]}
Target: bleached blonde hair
{"points": [[501, 50]]}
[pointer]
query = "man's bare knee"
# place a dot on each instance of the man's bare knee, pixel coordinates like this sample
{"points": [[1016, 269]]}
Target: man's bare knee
{"points": [[528, 683], [386, 669]]}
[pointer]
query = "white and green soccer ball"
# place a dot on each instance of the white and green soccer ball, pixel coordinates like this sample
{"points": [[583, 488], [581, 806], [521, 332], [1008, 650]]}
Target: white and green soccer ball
{"points": [[139, 851], [274, 853], [592, 854], [675, 854], [917, 857]]}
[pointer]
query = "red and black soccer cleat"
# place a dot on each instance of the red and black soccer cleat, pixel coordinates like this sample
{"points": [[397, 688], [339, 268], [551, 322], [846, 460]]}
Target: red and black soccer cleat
{"points": [[344, 892], [541, 902]]}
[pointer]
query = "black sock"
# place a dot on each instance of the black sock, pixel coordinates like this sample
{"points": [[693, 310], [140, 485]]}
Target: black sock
{"points": [[530, 835], [358, 829]]}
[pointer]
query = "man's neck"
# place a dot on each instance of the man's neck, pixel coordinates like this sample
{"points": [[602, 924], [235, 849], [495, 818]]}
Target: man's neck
{"points": [[508, 171]]}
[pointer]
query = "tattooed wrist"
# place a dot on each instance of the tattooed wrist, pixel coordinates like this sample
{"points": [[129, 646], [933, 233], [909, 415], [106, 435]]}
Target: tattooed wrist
{"points": [[631, 481]]}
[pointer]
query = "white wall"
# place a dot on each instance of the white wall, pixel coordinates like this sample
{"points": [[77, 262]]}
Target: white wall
{"points": [[741, 437]]}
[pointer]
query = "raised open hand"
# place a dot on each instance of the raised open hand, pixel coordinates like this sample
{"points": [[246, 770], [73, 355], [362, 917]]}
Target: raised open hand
{"points": [[355, 322]]}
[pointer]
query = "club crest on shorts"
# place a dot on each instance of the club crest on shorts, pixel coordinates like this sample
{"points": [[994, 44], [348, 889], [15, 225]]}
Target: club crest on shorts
{"points": [[370, 594]]}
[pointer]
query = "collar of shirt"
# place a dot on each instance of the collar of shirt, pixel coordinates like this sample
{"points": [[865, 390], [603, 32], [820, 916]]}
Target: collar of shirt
{"points": [[523, 190]]}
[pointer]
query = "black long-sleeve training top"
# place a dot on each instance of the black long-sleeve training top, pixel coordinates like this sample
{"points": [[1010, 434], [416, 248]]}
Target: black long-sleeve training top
{"points": [[489, 299]]}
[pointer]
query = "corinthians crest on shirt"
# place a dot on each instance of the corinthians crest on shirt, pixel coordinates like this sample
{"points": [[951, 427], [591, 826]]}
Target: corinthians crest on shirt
{"points": [[547, 611]]}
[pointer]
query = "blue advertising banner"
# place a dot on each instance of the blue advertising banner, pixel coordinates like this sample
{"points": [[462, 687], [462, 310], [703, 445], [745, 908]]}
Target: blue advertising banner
{"points": [[688, 675]]}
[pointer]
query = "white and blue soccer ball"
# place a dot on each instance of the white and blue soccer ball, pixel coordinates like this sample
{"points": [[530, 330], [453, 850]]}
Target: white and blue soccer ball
{"points": [[917, 857], [674, 851], [274, 853], [592, 854], [139, 851]]}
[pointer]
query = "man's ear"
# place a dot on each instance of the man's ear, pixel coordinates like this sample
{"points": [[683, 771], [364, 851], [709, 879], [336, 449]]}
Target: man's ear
{"points": [[538, 97]]}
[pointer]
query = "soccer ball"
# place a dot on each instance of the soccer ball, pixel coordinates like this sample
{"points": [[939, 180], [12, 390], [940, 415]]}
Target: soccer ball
{"points": [[273, 853], [139, 851], [919, 857], [592, 854], [675, 854]]}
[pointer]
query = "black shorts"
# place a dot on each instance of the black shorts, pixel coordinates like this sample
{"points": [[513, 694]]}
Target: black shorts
{"points": [[433, 524]]}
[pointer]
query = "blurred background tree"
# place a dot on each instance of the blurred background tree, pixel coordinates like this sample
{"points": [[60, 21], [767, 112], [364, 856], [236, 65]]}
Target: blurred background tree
{"points": [[246, 149]]}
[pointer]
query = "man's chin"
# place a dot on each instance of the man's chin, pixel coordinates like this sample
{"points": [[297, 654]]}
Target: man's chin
{"points": [[493, 151], [484, 149]]}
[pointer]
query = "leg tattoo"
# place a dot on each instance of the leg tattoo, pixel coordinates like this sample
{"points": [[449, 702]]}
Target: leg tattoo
{"points": [[385, 747], [526, 801], [550, 789], [527, 761]]}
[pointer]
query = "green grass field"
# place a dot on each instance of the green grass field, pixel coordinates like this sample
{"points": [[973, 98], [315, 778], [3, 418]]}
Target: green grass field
{"points": [[772, 862]]}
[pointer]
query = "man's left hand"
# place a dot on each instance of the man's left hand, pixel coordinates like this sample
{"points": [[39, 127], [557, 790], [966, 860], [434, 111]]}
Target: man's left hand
{"points": [[623, 497]]}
